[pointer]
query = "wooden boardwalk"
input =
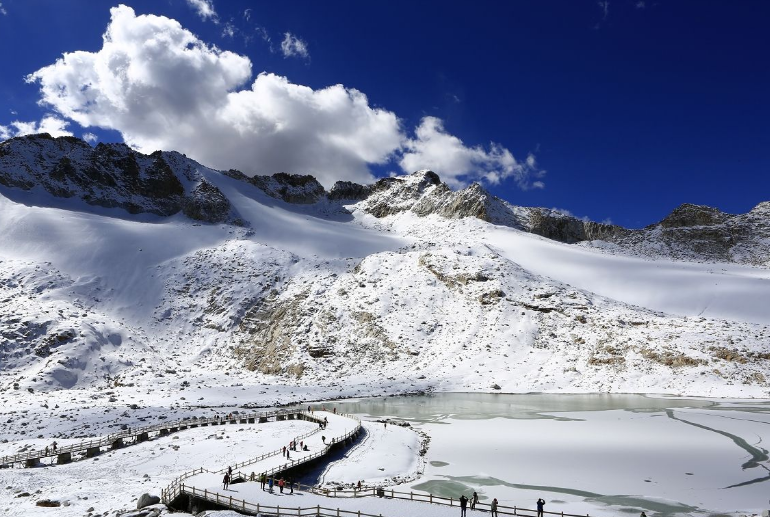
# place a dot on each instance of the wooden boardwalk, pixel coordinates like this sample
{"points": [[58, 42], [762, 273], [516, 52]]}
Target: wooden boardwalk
{"points": [[339, 431], [202, 488], [94, 446]]}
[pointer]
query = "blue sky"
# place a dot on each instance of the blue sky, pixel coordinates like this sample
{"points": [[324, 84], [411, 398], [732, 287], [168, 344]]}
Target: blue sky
{"points": [[617, 110]]}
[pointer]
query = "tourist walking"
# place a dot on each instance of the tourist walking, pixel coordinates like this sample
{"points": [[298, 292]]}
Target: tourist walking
{"points": [[263, 480], [291, 485], [226, 481], [281, 482], [284, 451], [540, 504], [474, 500], [463, 505], [493, 508], [270, 484]]}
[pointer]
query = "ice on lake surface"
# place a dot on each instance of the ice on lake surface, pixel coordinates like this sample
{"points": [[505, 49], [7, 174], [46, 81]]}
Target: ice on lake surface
{"points": [[600, 454]]}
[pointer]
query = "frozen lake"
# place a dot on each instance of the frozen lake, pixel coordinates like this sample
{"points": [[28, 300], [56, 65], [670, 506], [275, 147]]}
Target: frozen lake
{"points": [[597, 454]]}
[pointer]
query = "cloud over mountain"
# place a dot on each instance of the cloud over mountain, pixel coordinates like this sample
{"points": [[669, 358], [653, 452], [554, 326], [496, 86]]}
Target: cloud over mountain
{"points": [[162, 87]]}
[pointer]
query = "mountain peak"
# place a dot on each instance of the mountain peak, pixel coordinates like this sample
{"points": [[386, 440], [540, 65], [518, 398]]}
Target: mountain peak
{"points": [[688, 214]]}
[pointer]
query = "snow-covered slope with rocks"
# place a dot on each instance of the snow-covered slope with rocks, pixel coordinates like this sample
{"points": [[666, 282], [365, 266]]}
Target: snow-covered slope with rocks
{"points": [[124, 270]]}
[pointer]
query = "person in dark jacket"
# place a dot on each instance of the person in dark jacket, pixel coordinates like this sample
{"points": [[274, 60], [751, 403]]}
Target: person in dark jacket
{"points": [[540, 504], [493, 507], [463, 505], [226, 481], [474, 500]]}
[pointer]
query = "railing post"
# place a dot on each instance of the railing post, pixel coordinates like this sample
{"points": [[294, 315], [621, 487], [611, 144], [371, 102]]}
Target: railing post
{"points": [[431, 498], [410, 495]]}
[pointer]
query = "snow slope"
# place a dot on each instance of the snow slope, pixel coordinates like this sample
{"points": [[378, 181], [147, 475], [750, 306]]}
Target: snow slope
{"points": [[406, 288], [721, 291]]}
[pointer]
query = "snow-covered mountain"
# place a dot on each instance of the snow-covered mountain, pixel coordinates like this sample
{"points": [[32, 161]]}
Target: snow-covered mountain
{"points": [[122, 269]]}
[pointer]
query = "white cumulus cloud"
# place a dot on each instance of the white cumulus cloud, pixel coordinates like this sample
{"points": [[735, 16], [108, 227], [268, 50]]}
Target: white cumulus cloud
{"points": [[293, 46], [204, 8], [434, 148], [163, 88], [2, 9], [48, 124], [90, 138]]}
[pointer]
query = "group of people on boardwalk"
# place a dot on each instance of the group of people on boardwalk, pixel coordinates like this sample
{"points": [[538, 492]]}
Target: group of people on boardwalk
{"points": [[271, 482], [293, 447], [492, 506], [228, 477]]}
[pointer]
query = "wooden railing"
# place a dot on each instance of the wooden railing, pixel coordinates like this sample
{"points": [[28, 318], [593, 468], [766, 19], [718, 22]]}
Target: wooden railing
{"points": [[305, 459], [176, 488], [306, 416], [425, 498], [244, 506], [109, 439]]}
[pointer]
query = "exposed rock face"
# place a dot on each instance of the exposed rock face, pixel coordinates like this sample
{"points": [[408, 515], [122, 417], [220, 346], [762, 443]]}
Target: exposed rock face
{"points": [[292, 188], [688, 215], [207, 203], [563, 228], [113, 176], [110, 175], [349, 191], [423, 193], [702, 233], [147, 500]]}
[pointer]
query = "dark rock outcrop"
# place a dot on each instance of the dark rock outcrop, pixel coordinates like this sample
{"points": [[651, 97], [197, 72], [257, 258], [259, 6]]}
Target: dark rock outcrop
{"points": [[349, 191], [112, 176], [688, 215], [207, 203], [563, 228], [147, 500], [292, 188]]}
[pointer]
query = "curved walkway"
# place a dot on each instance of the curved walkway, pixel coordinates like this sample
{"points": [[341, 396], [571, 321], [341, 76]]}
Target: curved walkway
{"points": [[94, 446], [248, 497], [319, 442]]}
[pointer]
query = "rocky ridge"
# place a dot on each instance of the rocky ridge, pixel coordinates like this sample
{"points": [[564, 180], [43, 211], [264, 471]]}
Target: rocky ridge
{"points": [[165, 183]]}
